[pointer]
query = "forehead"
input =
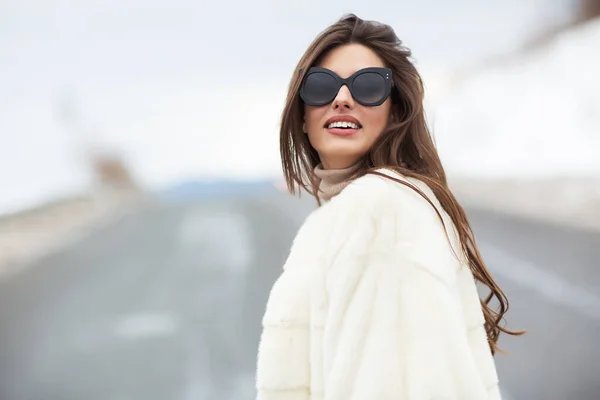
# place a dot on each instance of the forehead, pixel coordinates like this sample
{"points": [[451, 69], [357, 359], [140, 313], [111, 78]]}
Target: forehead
{"points": [[347, 59]]}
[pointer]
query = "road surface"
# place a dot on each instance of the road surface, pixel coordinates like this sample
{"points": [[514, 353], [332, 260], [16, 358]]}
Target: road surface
{"points": [[166, 304]]}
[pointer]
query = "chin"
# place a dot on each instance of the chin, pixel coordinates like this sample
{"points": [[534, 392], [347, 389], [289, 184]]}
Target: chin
{"points": [[342, 151]]}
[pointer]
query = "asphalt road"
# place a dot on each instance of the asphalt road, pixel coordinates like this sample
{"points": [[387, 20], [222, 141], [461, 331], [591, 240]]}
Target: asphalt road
{"points": [[166, 304]]}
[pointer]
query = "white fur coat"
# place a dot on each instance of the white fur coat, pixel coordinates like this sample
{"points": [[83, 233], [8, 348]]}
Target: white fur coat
{"points": [[372, 304]]}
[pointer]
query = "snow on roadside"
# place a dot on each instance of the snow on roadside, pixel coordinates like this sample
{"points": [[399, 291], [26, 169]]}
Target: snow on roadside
{"points": [[524, 137], [537, 116], [564, 202], [30, 235]]}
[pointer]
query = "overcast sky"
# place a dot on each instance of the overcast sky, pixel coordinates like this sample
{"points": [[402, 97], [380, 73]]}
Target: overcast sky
{"points": [[196, 77], [147, 40]]}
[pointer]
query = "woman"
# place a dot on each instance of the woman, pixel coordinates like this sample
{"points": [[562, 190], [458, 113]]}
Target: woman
{"points": [[377, 299]]}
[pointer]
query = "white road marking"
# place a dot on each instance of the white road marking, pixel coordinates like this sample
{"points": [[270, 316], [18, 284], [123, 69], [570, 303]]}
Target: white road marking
{"points": [[543, 282], [144, 325], [220, 235], [218, 239]]}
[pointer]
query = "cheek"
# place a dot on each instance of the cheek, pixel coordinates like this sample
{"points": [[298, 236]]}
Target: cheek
{"points": [[313, 117], [378, 118]]}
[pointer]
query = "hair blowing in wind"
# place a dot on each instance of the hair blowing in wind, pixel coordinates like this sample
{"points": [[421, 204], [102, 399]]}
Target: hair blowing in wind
{"points": [[406, 145]]}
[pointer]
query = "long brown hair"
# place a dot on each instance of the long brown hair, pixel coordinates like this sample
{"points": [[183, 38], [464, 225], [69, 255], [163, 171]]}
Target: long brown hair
{"points": [[405, 146]]}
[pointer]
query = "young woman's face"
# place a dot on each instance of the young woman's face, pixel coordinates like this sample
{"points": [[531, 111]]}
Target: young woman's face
{"points": [[337, 150]]}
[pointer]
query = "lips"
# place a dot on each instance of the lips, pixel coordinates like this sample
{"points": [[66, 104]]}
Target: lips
{"points": [[342, 131], [342, 125]]}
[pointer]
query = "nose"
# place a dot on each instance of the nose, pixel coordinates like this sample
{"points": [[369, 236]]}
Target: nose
{"points": [[343, 99]]}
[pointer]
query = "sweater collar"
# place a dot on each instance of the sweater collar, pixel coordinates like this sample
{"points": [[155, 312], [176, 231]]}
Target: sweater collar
{"points": [[333, 181]]}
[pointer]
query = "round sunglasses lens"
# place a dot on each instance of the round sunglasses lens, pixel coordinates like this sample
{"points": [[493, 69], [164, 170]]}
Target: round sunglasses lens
{"points": [[369, 87], [319, 88]]}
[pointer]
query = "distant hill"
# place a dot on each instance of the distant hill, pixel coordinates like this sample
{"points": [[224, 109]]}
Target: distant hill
{"points": [[197, 189]]}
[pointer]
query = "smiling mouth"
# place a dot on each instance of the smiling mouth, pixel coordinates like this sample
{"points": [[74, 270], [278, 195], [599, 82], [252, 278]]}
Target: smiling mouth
{"points": [[343, 125]]}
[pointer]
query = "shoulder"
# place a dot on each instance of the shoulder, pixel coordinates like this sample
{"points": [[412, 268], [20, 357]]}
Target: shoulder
{"points": [[387, 192], [379, 214], [383, 207]]}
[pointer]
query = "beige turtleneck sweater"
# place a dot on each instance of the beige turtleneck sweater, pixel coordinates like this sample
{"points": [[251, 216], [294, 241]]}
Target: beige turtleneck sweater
{"points": [[333, 181]]}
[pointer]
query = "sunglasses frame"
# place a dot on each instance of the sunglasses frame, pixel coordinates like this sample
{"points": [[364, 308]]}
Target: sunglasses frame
{"points": [[386, 73]]}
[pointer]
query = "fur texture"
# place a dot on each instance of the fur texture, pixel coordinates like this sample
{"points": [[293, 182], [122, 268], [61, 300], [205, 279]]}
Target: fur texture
{"points": [[372, 303]]}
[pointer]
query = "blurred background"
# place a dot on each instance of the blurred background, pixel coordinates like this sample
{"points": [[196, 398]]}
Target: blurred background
{"points": [[143, 215]]}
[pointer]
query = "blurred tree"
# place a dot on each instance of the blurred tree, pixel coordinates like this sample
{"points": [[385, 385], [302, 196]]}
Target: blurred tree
{"points": [[112, 172], [106, 164], [585, 11]]}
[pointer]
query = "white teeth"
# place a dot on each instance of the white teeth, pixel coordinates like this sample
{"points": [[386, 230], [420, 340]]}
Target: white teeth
{"points": [[343, 124]]}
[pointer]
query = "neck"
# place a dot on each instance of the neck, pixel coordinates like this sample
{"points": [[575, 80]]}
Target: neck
{"points": [[333, 180]]}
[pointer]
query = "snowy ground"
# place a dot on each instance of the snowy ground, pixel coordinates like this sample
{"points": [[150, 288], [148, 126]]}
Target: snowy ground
{"points": [[537, 116], [524, 137]]}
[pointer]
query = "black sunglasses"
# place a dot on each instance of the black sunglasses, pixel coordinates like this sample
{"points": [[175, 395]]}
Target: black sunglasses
{"points": [[368, 86]]}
